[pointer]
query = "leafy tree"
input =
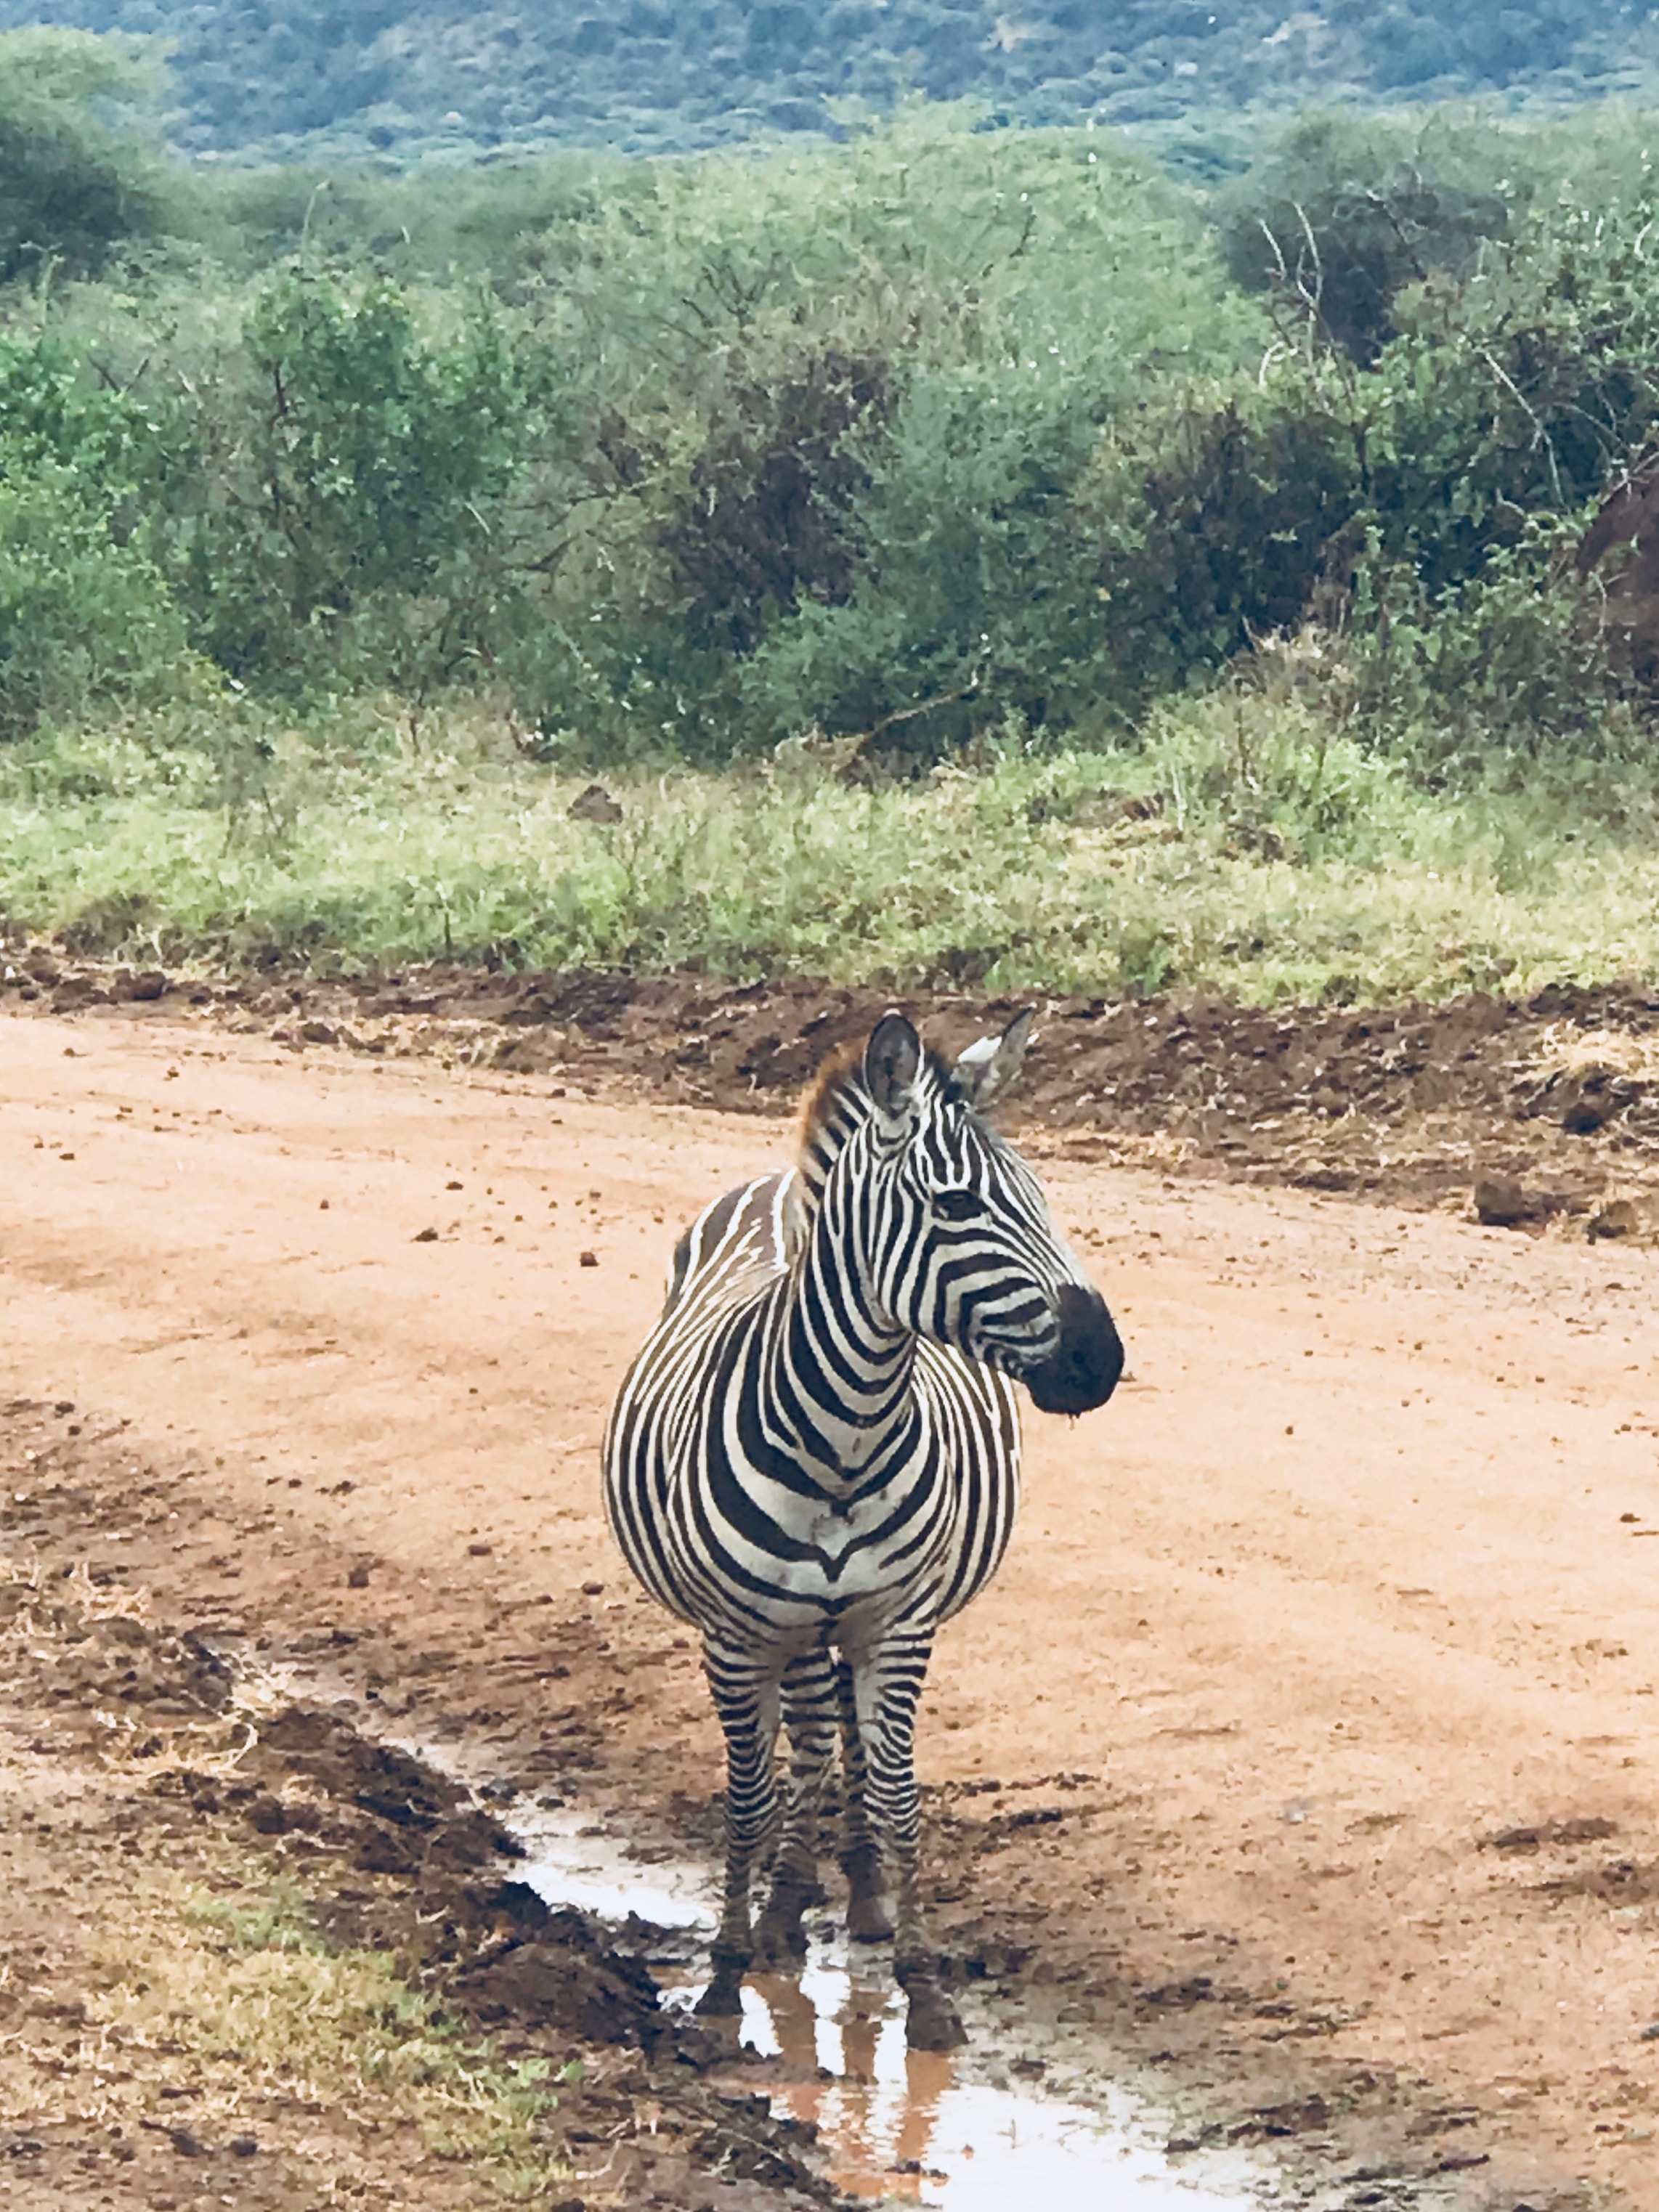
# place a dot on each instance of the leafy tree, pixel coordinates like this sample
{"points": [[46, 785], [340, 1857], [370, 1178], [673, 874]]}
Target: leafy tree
{"points": [[1342, 212], [1218, 511], [79, 171], [923, 568], [86, 617], [769, 519], [349, 468]]}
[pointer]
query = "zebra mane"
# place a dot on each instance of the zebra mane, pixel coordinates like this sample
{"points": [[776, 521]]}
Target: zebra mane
{"points": [[835, 1103]]}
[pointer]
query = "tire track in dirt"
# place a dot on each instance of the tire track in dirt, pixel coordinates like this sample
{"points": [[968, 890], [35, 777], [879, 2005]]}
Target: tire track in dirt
{"points": [[1343, 1582]]}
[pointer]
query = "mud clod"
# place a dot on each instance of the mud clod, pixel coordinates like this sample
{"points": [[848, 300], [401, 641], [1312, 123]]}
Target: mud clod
{"points": [[1502, 1204]]}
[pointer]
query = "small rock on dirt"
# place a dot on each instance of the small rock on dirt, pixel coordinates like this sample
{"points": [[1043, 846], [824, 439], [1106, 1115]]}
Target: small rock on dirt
{"points": [[1502, 1204], [424, 1237], [358, 1578], [266, 1816]]}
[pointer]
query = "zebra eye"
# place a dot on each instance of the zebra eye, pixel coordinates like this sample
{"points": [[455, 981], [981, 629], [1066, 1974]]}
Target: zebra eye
{"points": [[958, 1204]]}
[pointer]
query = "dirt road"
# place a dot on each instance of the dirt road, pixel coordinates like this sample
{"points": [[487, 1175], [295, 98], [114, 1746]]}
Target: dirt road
{"points": [[1327, 1655]]}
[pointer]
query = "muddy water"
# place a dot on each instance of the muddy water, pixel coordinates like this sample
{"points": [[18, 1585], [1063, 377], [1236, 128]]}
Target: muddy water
{"points": [[896, 2126]]}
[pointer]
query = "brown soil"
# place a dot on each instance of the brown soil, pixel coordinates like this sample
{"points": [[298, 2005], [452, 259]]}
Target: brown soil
{"points": [[142, 1771], [1412, 1103], [1340, 1806]]}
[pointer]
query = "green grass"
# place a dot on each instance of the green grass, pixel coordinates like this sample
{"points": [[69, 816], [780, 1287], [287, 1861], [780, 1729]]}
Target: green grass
{"points": [[1243, 846], [261, 2003]]}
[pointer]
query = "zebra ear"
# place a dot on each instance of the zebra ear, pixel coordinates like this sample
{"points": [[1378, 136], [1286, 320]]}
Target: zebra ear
{"points": [[892, 1061], [984, 1072]]}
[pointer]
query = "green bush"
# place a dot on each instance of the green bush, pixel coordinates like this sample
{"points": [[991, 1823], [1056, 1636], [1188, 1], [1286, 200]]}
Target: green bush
{"points": [[1019, 290], [79, 174], [1217, 513], [1519, 392], [335, 522], [1342, 211], [86, 619], [1511, 661], [914, 439]]}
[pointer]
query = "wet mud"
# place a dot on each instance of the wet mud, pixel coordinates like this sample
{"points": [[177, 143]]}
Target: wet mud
{"points": [[889, 2124], [167, 1748]]}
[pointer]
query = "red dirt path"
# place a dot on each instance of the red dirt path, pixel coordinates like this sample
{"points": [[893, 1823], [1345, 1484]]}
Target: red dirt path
{"points": [[1351, 1579]]}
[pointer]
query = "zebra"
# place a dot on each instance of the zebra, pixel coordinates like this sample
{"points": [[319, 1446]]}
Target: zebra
{"points": [[814, 1461]]}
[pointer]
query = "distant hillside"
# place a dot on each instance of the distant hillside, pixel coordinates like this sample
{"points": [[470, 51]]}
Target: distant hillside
{"points": [[406, 77]]}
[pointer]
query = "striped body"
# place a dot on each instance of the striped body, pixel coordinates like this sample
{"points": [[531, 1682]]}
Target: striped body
{"points": [[740, 1535]]}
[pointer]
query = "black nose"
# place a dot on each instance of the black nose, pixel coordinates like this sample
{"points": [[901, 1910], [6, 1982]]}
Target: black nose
{"points": [[1083, 1371]]}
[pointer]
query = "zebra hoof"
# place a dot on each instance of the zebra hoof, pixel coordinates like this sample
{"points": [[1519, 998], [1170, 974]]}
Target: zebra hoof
{"points": [[723, 1998], [780, 1941], [933, 2023], [868, 1920], [718, 2002]]}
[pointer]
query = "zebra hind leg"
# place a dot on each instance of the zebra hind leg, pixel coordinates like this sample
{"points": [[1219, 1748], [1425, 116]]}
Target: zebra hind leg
{"points": [[809, 1715], [745, 1693], [868, 1920], [887, 1689]]}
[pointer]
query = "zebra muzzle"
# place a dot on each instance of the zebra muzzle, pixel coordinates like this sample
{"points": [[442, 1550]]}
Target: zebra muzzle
{"points": [[1083, 1369]]}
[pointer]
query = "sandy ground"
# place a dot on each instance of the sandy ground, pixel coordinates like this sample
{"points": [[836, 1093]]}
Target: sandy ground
{"points": [[1342, 1610]]}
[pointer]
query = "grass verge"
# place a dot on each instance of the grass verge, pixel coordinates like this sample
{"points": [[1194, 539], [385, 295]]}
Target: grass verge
{"points": [[1243, 846], [267, 2010]]}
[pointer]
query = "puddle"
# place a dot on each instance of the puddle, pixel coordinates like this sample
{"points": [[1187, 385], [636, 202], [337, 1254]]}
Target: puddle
{"points": [[895, 2126], [574, 1862]]}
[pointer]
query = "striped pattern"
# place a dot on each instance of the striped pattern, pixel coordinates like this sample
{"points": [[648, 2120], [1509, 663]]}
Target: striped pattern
{"points": [[725, 1486], [815, 1459]]}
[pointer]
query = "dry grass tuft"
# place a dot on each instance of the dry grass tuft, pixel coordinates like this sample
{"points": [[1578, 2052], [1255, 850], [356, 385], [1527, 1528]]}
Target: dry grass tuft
{"points": [[269, 2014], [1563, 1050]]}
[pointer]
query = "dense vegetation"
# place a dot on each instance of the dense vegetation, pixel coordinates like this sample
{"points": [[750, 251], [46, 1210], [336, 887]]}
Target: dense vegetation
{"points": [[1248, 513], [353, 76]]}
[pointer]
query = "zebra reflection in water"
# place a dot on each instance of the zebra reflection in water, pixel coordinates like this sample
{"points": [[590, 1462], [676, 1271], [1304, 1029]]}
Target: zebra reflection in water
{"points": [[815, 1461]]}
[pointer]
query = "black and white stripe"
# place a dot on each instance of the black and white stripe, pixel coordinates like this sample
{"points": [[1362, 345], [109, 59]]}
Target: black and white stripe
{"points": [[815, 1458]]}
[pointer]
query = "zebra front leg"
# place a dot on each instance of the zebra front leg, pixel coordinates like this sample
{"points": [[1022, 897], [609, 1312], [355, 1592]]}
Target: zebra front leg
{"points": [[887, 1688], [868, 1920], [745, 1694], [809, 1715]]}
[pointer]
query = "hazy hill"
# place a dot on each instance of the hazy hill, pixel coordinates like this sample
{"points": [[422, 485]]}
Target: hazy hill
{"points": [[409, 75]]}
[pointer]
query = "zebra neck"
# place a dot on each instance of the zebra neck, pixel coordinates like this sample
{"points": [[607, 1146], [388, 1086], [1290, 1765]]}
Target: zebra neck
{"points": [[840, 1379]]}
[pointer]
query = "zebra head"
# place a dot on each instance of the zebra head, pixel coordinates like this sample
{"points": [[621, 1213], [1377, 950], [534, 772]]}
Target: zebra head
{"points": [[962, 1246]]}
